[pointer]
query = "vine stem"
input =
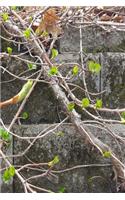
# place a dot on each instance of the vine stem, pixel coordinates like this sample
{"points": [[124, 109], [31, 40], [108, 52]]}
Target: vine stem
{"points": [[61, 96], [74, 116], [25, 184]]}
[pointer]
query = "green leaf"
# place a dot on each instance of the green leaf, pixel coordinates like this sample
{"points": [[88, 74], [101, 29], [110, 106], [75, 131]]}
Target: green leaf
{"points": [[62, 189], [54, 161], [12, 171], [27, 33], [70, 106], [98, 103], [107, 154], [94, 67], [54, 53], [14, 7], [8, 174], [75, 70], [9, 50], [60, 133], [53, 71], [25, 89], [38, 31], [5, 16], [25, 115], [30, 19], [122, 121], [45, 33], [31, 66], [85, 102], [123, 115], [5, 135]]}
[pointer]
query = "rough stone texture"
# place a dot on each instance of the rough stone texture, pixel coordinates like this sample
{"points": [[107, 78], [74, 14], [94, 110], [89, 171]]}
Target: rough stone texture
{"points": [[72, 150], [95, 39], [113, 79], [43, 108], [42, 105]]}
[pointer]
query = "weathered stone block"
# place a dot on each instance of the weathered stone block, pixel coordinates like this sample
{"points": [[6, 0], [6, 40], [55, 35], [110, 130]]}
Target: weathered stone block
{"points": [[95, 39], [113, 79], [72, 151]]}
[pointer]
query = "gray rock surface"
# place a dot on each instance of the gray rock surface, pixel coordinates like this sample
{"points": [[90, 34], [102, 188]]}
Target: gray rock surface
{"points": [[44, 109], [95, 39], [72, 151]]}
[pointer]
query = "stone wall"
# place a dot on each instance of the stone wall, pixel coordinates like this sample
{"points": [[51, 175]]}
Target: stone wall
{"points": [[92, 172], [44, 109]]}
